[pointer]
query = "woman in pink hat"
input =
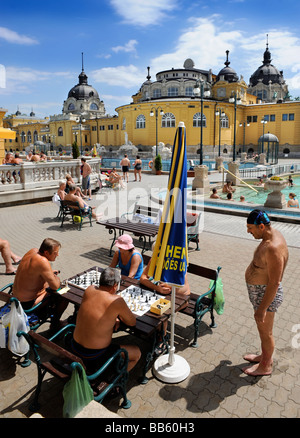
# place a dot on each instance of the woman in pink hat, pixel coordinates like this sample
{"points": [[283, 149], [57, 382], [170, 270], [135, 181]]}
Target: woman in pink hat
{"points": [[127, 258]]}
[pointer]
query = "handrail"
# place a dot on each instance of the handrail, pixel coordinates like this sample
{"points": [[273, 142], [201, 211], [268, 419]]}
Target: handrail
{"points": [[226, 170]]}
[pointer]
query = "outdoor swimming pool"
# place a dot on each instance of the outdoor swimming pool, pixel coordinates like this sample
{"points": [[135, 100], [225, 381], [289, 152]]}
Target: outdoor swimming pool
{"points": [[261, 195], [253, 200]]}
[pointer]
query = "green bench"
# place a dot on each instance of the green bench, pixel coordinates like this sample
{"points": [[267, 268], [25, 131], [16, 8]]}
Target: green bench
{"points": [[60, 363], [199, 305], [72, 208]]}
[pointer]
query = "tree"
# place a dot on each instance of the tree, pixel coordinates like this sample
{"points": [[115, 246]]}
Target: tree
{"points": [[75, 150], [158, 163]]}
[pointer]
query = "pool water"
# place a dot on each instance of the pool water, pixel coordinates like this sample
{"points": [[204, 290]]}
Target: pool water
{"points": [[261, 195]]}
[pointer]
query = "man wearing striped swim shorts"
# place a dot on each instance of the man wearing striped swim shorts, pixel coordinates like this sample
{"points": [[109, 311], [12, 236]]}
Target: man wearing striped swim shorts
{"points": [[263, 278]]}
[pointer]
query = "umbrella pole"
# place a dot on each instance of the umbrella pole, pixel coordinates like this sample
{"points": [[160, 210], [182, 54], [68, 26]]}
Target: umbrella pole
{"points": [[172, 348], [171, 368]]}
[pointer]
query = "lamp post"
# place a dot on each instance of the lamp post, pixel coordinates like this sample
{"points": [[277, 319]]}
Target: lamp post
{"points": [[156, 117], [80, 120], [264, 122], [244, 124], [199, 91], [219, 112], [236, 100]]}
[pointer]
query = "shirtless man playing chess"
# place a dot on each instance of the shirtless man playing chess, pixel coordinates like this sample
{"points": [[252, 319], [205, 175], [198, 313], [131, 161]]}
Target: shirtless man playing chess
{"points": [[100, 313]]}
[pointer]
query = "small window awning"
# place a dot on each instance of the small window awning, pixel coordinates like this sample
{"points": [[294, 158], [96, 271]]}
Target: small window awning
{"points": [[7, 134]]}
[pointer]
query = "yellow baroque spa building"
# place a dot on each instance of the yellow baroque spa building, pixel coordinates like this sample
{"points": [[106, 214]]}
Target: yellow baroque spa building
{"points": [[227, 102]]}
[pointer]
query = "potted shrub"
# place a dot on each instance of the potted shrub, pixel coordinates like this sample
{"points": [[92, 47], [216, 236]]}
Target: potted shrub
{"points": [[75, 150], [158, 164]]}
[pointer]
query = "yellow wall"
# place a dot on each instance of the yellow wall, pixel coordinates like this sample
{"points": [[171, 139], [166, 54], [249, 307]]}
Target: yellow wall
{"points": [[288, 132]]}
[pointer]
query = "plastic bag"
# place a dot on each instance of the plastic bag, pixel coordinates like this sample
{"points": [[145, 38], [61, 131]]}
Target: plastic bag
{"points": [[77, 393], [219, 301], [3, 331], [56, 199], [16, 320]]}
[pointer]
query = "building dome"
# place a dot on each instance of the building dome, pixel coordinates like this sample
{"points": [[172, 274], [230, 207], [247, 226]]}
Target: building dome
{"points": [[227, 72], [83, 98], [267, 72], [268, 138], [83, 90]]}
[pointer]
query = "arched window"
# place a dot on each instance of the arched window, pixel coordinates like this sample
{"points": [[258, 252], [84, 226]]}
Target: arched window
{"points": [[23, 137], [224, 122], [197, 120], [29, 137], [168, 120], [172, 91], [71, 106], [93, 106], [189, 91], [157, 92], [60, 132], [140, 122], [35, 136], [124, 124]]}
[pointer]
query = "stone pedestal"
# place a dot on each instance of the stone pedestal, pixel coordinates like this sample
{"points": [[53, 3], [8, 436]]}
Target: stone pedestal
{"points": [[233, 168], [262, 159], [243, 156], [275, 199], [201, 180], [219, 163]]}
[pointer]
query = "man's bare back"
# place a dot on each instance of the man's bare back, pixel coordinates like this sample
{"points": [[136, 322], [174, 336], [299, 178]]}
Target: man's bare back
{"points": [[97, 317]]}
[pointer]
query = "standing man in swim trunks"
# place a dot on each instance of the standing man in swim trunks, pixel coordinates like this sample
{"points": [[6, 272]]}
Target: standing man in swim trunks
{"points": [[86, 182], [125, 163], [263, 278], [100, 313]]}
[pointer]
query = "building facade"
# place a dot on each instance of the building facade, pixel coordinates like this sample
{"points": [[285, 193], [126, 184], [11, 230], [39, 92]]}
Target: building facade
{"points": [[229, 105]]}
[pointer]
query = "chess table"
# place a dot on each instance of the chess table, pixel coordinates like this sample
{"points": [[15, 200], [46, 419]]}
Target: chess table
{"points": [[140, 229], [148, 325]]}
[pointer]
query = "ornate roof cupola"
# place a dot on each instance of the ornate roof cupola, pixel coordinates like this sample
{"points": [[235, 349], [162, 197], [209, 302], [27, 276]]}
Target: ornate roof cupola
{"points": [[83, 98], [227, 73], [267, 82]]}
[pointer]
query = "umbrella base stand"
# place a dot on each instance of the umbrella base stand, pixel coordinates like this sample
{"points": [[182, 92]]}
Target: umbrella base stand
{"points": [[174, 373]]}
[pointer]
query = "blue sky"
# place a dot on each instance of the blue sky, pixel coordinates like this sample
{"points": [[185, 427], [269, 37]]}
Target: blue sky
{"points": [[41, 45]]}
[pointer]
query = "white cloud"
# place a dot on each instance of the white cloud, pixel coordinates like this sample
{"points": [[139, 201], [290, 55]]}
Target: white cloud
{"points": [[123, 76], [13, 37], [128, 47], [22, 80], [204, 42], [136, 12]]}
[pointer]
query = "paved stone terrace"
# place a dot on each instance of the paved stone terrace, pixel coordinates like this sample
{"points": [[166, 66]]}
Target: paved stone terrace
{"points": [[216, 386]]}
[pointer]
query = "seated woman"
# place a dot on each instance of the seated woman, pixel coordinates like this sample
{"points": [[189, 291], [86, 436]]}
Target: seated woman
{"points": [[61, 190], [115, 178], [127, 258], [293, 202], [69, 181]]}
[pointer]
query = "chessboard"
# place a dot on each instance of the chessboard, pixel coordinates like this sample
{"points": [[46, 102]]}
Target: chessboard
{"points": [[139, 300], [88, 278]]}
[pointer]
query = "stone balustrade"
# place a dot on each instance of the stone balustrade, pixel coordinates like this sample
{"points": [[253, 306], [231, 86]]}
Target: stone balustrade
{"points": [[39, 180]]}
